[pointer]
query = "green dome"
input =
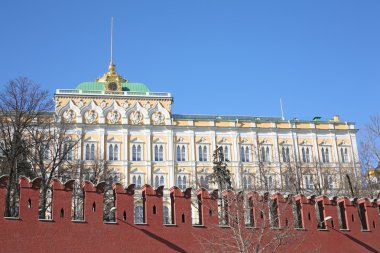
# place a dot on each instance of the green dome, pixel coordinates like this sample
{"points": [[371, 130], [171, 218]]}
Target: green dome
{"points": [[100, 86]]}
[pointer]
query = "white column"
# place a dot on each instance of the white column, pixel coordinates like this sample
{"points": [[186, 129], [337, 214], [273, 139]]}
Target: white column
{"points": [[170, 137], [192, 156], [148, 157], [125, 157]]}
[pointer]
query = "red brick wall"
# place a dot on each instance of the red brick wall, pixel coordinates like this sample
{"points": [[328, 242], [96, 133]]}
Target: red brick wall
{"points": [[28, 234]]}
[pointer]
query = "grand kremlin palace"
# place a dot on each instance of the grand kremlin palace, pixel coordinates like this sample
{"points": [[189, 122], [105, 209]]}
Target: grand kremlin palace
{"points": [[134, 131]]}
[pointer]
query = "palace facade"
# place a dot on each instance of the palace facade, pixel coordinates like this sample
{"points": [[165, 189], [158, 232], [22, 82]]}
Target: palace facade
{"points": [[136, 132]]}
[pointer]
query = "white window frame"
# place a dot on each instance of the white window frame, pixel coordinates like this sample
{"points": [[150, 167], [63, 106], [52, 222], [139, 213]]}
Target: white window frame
{"points": [[113, 151], [244, 156], [137, 143], [309, 181], [160, 157], [137, 174], [266, 156], [181, 155], [202, 154], [91, 155], [344, 152], [187, 178], [307, 156], [288, 153], [160, 176], [247, 180], [323, 149]]}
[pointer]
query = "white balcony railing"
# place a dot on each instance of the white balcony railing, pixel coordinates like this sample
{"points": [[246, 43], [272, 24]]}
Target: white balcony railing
{"points": [[113, 93]]}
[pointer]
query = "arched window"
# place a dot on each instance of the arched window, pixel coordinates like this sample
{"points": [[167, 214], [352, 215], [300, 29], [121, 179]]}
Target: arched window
{"points": [[325, 155], [92, 153], [139, 214], [161, 153], [183, 153], [179, 182], [246, 154], [267, 154], [110, 152], [87, 157], [202, 181], [162, 180], [245, 183], [202, 153], [226, 153], [263, 159], [270, 183], [134, 153], [344, 155], [138, 184], [116, 152], [139, 153], [303, 155], [156, 155], [249, 184], [178, 153], [307, 155], [242, 157], [156, 182], [134, 181], [68, 151]]}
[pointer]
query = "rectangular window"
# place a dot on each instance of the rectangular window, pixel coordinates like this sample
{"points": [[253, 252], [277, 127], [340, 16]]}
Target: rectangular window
{"points": [[342, 215]]}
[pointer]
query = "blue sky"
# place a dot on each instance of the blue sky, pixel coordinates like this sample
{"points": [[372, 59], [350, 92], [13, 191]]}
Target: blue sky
{"points": [[215, 56]]}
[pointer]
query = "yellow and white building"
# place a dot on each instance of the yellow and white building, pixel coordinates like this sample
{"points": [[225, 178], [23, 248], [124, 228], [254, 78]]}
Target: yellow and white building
{"points": [[136, 132]]}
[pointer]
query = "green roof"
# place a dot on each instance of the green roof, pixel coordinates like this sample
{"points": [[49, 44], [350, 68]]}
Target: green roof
{"points": [[100, 86]]}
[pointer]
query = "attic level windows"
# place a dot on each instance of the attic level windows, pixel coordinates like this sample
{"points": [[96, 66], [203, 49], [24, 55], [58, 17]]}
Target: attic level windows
{"points": [[158, 153], [244, 154], [90, 151], [305, 154], [181, 153], [113, 152], [202, 153], [136, 152]]}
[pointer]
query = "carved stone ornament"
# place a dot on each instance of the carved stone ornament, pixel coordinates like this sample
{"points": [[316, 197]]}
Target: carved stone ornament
{"points": [[136, 117], [224, 139], [158, 118], [113, 117], [147, 105], [91, 116], [125, 105], [103, 104], [69, 115], [80, 103], [57, 103]]}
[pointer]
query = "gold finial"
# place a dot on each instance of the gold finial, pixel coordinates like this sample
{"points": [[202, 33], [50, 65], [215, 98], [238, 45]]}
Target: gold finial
{"points": [[111, 75]]}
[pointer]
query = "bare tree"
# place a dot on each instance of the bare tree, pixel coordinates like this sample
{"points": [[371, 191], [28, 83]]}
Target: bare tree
{"points": [[370, 157], [52, 146], [21, 102], [252, 221]]}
